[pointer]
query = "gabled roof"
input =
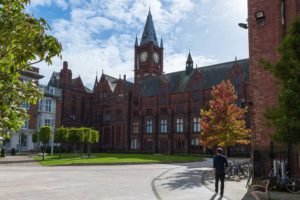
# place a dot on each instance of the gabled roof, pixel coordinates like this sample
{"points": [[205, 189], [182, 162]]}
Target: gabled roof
{"points": [[149, 33], [54, 80], [179, 81]]}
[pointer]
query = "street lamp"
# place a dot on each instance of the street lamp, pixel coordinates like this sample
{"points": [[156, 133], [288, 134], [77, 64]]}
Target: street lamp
{"points": [[243, 25]]}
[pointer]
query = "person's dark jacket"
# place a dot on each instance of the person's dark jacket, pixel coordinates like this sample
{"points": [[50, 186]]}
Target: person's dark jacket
{"points": [[220, 162]]}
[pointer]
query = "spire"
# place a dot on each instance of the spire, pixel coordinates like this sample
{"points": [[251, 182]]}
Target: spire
{"points": [[189, 59], [189, 64], [161, 43], [96, 82], [136, 41], [149, 31]]}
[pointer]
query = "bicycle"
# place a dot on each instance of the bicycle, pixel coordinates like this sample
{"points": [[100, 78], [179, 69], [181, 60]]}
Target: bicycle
{"points": [[291, 184]]}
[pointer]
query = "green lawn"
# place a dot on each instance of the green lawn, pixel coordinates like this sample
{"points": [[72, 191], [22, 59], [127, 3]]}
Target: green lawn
{"points": [[114, 158]]}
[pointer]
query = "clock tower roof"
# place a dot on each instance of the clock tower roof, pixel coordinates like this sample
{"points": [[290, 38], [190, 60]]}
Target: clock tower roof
{"points": [[149, 34]]}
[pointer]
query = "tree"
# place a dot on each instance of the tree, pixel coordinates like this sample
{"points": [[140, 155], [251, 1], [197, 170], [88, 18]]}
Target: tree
{"points": [[94, 136], [73, 138], [223, 123], [36, 138], [88, 139], [23, 43], [61, 137], [80, 135], [45, 136], [285, 116]]}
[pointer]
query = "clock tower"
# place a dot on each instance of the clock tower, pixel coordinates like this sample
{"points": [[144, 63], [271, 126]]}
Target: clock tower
{"points": [[148, 55]]}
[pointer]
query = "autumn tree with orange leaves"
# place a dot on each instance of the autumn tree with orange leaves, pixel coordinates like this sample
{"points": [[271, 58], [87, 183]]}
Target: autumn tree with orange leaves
{"points": [[223, 124]]}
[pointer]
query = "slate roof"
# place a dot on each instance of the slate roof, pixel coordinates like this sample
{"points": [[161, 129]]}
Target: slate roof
{"points": [[149, 33], [112, 82], [54, 80], [212, 74]]}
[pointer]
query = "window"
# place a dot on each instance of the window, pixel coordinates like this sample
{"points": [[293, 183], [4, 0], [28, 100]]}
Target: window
{"points": [[48, 105], [196, 124], [41, 105], [236, 84], [179, 125], [25, 126], [51, 90], [196, 90], [47, 122], [134, 144], [149, 126], [106, 116], [25, 105], [195, 142], [163, 126], [135, 127], [23, 140], [120, 98]]}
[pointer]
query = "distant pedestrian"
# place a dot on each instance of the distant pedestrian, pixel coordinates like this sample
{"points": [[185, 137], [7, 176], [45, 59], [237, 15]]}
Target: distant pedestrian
{"points": [[219, 164]]}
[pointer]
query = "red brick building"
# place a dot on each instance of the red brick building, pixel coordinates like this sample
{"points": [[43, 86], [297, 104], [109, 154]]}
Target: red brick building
{"points": [[159, 112], [268, 21]]}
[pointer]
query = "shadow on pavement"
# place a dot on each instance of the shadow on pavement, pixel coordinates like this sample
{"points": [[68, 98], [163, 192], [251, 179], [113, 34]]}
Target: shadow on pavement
{"points": [[184, 180]]}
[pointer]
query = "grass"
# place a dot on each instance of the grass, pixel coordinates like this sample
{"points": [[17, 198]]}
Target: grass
{"points": [[114, 158]]}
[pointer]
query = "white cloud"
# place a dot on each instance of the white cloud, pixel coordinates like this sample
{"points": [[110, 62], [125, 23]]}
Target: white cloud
{"points": [[100, 34], [60, 3]]}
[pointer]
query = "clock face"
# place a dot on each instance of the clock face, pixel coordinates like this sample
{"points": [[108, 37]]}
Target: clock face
{"points": [[155, 57], [143, 56]]}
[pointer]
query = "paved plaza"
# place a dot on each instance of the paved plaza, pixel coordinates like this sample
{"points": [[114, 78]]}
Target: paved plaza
{"points": [[189, 181]]}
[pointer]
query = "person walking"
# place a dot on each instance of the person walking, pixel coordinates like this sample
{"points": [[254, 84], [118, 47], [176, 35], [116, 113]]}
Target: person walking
{"points": [[219, 164]]}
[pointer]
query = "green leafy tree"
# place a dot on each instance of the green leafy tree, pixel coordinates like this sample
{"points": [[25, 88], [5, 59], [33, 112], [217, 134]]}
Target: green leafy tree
{"points": [[95, 136], [45, 135], [61, 137], [223, 123], [36, 138], [23, 43], [88, 139], [80, 134], [285, 117], [73, 138]]}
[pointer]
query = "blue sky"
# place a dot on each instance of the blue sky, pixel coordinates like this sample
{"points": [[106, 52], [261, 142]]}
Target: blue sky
{"points": [[99, 34]]}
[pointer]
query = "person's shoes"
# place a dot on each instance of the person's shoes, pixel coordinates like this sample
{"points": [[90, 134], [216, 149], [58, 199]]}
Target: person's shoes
{"points": [[221, 194], [216, 191]]}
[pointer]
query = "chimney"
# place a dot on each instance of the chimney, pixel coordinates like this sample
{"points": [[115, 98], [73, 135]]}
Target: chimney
{"points": [[65, 65], [124, 77]]}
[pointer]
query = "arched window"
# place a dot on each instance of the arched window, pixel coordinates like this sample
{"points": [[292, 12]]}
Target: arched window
{"points": [[196, 90], [236, 84]]}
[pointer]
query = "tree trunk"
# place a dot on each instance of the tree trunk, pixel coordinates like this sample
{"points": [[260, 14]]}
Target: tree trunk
{"points": [[226, 151], [81, 151], [74, 148], [43, 152], [89, 150]]}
